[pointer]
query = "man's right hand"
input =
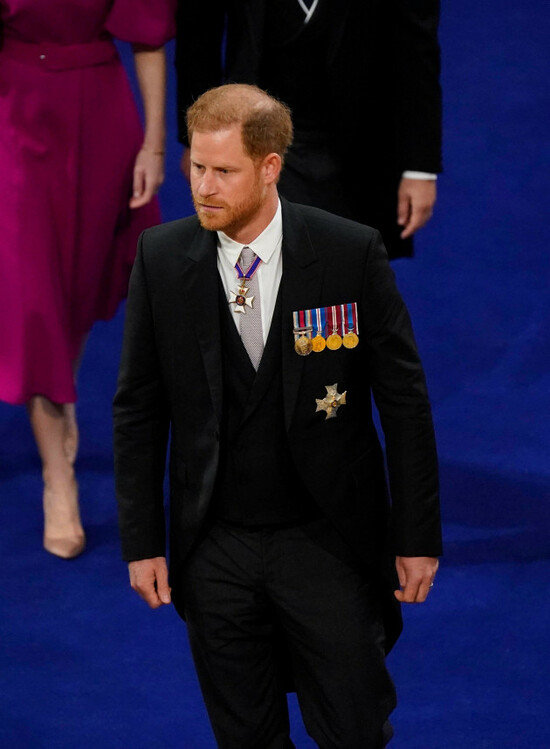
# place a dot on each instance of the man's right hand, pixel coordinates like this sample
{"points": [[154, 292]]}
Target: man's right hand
{"points": [[149, 578]]}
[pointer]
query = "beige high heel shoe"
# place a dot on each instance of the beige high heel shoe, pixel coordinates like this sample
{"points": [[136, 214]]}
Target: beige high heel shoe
{"points": [[63, 533]]}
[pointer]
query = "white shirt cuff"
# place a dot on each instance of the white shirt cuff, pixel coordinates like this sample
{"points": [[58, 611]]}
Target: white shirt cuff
{"points": [[419, 175]]}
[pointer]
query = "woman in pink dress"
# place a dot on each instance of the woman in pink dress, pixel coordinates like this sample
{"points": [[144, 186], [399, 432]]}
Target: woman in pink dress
{"points": [[78, 178]]}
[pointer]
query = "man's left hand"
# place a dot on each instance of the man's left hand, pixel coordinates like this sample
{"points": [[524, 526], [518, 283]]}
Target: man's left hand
{"points": [[415, 202], [416, 576]]}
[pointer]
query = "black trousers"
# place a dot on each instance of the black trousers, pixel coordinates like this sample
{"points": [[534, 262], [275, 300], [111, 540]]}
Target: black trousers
{"points": [[242, 587]]}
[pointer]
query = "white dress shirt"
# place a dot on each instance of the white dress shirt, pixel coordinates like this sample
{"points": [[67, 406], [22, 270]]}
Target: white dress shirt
{"points": [[269, 273]]}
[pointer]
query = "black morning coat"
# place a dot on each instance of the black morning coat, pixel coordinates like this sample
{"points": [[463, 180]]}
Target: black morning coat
{"points": [[171, 382], [383, 97]]}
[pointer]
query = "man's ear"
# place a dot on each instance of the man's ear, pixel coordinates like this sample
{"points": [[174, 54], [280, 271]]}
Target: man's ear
{"points": [[271, 168]]}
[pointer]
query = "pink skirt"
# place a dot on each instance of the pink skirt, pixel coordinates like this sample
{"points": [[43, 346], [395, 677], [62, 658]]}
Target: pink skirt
{"points": [[69, 134]]}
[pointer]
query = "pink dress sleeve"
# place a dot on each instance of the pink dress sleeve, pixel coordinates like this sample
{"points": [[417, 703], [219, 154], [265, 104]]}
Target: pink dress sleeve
{"points": [[149, 22]]}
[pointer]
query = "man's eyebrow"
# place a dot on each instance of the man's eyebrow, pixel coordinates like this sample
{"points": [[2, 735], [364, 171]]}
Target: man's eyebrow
{"points": [[232, 167]]}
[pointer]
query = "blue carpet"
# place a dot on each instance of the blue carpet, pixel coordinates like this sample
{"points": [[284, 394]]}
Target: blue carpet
{"points": [[83, 663]]}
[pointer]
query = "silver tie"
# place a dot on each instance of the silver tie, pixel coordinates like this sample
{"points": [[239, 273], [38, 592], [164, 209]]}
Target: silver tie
{"points": [[251, 321]]}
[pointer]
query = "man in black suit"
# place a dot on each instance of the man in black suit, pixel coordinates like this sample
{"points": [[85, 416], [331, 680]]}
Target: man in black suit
{"points": [[256, 332], [362, 80]]}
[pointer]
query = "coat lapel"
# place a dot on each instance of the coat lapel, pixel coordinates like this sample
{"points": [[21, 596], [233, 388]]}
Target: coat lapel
{"points": [[301, 289], [200, 283]]}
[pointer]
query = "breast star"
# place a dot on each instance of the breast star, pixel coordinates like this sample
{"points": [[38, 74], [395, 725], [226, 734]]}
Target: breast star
{"points": [[331, 402]]}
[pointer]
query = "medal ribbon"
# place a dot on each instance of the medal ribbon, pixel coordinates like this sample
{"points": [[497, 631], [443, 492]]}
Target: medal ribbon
{"points": [[320, 316], [250, 272], [343, 317], [340, 319], [352, 318], [337, 320], [302, 323]]}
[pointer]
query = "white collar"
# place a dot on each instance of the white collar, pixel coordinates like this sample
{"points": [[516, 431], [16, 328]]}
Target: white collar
{"points": [[308, 11], [264, 245]]}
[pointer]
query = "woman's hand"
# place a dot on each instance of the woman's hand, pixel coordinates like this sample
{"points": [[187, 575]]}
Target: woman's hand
{"points": [[148, 176]]}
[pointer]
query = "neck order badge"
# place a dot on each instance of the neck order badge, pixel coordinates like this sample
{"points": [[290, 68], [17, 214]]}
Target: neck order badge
{"points": [[239, 298]]}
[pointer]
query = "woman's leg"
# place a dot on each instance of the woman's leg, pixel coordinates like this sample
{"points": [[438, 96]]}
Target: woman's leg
{"points": [[70, 432], [63, 532], [70, 439]]}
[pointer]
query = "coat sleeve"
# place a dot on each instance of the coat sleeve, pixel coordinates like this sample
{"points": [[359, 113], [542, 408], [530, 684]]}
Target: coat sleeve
{"points": [[417, 56], [141, 425], [400, 394], [199, 53], [147, 22]]}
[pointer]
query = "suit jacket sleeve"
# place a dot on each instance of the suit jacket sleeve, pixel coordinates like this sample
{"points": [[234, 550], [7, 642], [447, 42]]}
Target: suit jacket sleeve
{"points": [[401, 397], [418, 68], [199, 43], [141, 424]]}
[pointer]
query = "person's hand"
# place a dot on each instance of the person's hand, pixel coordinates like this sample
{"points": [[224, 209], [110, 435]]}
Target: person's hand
{"points": [[148, 176], [415, 202], [149, 578], [185, 163], [416, 576]]}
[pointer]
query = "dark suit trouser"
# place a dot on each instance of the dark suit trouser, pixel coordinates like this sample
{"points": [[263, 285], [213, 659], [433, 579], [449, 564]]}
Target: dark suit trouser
{"points": [[239, 585]]}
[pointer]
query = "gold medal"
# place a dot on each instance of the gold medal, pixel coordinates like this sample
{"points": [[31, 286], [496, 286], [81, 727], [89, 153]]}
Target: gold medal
{"points": [[318, 343], [350, 340], [303, 345], [334, 341]]}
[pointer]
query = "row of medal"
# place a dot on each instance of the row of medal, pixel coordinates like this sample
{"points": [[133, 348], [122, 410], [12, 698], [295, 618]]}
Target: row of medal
{"points": [[325, 327]]}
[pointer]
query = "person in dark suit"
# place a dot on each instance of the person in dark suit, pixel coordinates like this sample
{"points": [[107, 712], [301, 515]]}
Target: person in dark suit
{"points": [[255, 333], [362, 80]]}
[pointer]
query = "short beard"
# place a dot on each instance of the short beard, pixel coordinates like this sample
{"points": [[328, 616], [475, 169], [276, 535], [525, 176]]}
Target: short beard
{"points": [[236, 217]]}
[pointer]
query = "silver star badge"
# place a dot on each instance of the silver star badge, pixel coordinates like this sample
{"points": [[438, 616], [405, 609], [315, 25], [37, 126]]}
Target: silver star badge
{"points": [[331, 402]]}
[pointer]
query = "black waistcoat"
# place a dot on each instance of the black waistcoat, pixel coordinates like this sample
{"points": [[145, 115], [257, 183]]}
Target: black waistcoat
{"points": [[294, 67], [257, 481]]}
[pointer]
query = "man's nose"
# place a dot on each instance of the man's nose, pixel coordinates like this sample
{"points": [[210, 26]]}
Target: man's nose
{"points": [[207, 185]]}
